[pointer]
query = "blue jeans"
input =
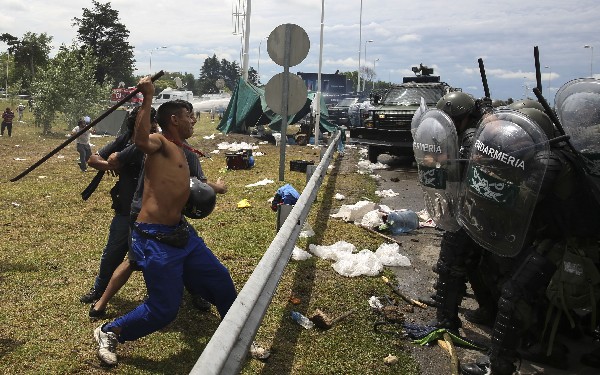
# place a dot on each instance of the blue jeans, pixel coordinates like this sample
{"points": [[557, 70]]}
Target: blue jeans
{"points": [[85, 151], [166, 271], [114, 252]]}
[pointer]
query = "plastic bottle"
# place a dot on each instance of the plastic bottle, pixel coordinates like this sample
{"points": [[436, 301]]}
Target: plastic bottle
{"points": [[302, 320], [402, 221]]}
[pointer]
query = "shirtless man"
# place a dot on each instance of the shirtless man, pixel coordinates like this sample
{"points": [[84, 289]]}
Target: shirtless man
{"points": [[168, 252]]}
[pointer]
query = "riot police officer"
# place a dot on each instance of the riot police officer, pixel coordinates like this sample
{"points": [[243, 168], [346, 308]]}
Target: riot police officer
{"points": [[459, 257], [522, 209]]}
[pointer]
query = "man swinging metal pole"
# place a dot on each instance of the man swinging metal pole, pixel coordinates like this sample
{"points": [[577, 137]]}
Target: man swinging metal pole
{"points": [[83, 130]]}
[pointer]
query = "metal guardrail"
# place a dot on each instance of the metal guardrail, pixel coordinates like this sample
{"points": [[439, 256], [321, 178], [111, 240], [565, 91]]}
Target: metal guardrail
{"points": [[226, 351]]}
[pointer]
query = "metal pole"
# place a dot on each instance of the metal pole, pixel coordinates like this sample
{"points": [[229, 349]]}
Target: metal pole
{"points": [[359, 45], [258, 62], [374, 61], [284, 101], [318, 96], [246, 41]]}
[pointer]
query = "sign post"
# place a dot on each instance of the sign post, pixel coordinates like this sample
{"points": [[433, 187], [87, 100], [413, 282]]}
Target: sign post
{"points": [[286, 93]]}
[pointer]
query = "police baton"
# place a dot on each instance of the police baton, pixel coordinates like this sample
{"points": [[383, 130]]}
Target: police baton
{"points": [[538, 72], [486, 89], [83, 130]]}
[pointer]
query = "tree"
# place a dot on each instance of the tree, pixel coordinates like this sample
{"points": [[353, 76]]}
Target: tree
{"points": [[68, 88], [230, 72], [209, 73], [253, 77], [30, 54], [101, 31]]}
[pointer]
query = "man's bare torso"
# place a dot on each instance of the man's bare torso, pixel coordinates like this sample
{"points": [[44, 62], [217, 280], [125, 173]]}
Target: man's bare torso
{"points": [[166, 185]]}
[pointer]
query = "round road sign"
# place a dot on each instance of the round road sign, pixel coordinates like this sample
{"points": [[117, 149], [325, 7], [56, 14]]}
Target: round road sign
{"points": [[299, 44], [296, 93]]}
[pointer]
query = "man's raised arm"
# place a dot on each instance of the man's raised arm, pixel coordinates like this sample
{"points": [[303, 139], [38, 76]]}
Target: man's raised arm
{"points": [[141, 136]]}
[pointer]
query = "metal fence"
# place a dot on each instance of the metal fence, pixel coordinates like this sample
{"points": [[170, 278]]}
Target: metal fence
{"points": [[226, 351]]}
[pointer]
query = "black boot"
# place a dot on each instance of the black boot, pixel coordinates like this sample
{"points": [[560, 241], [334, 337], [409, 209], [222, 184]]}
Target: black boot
{"points": [[449, 293], [487, 365]]}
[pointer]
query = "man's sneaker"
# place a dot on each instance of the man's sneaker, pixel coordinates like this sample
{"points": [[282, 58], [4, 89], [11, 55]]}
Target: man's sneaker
{"points": [[200, 303], [91, 296], [107, 346], [96, 314]]}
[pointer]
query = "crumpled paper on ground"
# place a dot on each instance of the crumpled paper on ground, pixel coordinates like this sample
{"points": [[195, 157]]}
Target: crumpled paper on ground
{"points": [[266, 181], [386, 193], [389, 255], [365, 262], [355, 211], [299, 254]]}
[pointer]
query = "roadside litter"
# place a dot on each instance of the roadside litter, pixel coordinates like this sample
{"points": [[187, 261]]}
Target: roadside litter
{"points": [[266, 181], [348, 262]]}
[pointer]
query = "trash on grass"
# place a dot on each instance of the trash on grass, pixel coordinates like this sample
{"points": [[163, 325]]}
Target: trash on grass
{"points": [[244, 203], [266, 181], [390, 360], [355, 211], [258, 352], [299, 254]]}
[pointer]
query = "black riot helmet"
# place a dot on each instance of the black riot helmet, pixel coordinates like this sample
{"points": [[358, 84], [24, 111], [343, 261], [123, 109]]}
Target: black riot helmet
{"points": [[202, 200], [527, 103], [456, 104], [541, 119]]}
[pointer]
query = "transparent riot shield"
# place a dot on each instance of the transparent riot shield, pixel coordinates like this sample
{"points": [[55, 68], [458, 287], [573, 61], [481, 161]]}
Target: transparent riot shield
{"points": [[435, 145], [502, 181], [577, 105]]}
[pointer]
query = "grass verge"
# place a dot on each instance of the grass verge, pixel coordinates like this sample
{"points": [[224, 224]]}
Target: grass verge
{"points": [[52, 241]]}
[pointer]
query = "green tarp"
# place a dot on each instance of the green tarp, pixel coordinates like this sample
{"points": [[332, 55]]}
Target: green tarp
{"points": [[248, 108]]}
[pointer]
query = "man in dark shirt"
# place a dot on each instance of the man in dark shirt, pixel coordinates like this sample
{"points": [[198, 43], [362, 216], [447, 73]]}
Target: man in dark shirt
{"points": [[7, 120], [128, 165]]}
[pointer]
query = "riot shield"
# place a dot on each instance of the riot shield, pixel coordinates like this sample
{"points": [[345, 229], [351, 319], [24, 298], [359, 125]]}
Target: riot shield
{"points": [[577, 105], [416, 119], [435, 145], [502, 181]]}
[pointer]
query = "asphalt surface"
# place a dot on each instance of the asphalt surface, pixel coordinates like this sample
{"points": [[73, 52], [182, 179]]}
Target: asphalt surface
{"points": [[422, 248]]}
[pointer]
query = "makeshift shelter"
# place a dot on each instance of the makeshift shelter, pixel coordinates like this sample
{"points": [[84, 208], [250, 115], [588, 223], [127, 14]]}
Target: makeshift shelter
{"points": [[248, 108], [111, 124]]}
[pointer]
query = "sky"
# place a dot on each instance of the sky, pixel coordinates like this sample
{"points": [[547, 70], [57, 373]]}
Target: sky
{"points": [[395, 35]]}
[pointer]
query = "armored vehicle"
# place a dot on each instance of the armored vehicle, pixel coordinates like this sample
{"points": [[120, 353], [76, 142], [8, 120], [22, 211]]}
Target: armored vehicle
{"points": [[387, 129], [339, 113]]}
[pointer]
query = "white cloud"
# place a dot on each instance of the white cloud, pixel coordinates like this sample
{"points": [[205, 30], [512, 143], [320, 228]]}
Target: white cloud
{"points": [[449, 36]]}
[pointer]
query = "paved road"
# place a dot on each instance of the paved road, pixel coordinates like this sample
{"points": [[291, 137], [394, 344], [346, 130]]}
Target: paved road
{"points": [[422, 247]]}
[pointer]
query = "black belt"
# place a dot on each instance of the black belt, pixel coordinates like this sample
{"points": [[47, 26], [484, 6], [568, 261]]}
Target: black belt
{"points": [[177, 238]]}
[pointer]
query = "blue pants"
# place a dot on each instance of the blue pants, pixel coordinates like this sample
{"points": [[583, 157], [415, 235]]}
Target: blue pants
{"points": [[85, 151], [167, 270], [114, 252]]}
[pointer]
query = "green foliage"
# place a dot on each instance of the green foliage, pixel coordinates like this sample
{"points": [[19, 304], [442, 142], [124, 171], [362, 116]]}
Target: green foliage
{"points": [[213, 69], [68, 88], [29, 56], [100, 31]]}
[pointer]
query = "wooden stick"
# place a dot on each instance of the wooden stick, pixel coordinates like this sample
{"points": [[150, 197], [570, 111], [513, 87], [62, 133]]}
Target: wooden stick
{"points": [[83, 130], [452, 351], [402, 295], [381, 234]]}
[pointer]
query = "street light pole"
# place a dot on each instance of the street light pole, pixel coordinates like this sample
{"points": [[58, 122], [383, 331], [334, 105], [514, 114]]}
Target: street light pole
{"points": [[359, 44], [591, 60], [152, 50], [365, 80], [374, 61]]}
